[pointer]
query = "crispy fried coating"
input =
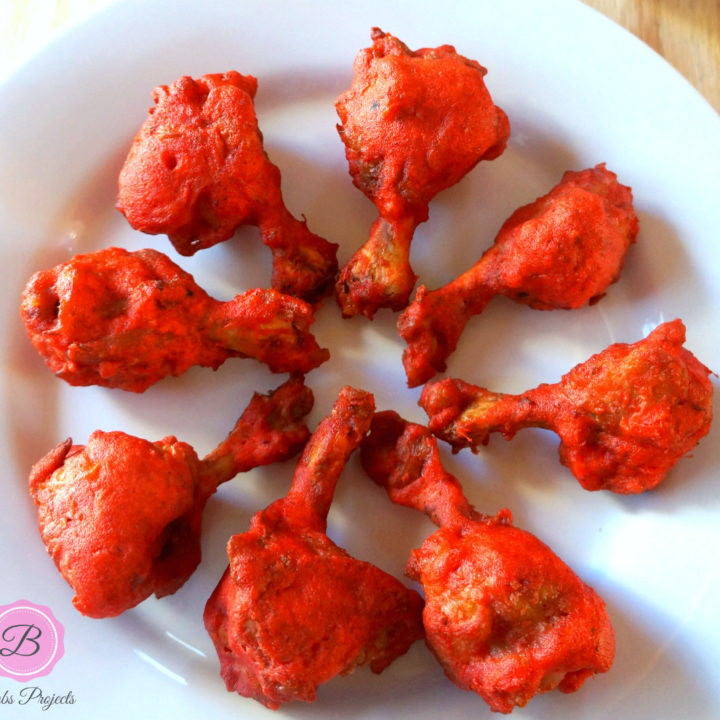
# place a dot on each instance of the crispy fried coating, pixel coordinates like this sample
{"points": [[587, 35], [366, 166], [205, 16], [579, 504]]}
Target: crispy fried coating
{"points": [[505, 617], [293, 609], [561, 251], [197, 170], [624, 417], [121, 516], [127, 319], [413, 124]]}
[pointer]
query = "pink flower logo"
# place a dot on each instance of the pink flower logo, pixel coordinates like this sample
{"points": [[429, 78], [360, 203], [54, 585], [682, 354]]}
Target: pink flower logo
{"points": [[31, 640]]}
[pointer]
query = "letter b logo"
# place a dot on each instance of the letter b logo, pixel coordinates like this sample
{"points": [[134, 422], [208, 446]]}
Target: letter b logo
{"points": [[31, 640], [27, 633]]}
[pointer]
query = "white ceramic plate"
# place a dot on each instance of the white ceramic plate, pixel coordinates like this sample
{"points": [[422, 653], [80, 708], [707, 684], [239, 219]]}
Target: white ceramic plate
{"points": [[578, 91]]}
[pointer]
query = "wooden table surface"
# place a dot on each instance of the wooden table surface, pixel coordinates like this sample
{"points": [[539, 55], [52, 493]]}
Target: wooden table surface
{"points": [[685, 32]]}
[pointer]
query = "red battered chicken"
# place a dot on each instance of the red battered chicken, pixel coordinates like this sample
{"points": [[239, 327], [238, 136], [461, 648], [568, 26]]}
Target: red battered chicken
{"points": [[413, 124], [127, 319], [197, 170], [121, 516], [560, 251], [293, 609], [505, 617], [624, 417]]}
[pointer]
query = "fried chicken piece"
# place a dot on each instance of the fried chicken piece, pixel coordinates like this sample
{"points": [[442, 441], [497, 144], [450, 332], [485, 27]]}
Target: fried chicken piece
{"points": [[121, 516], [559, 252], [197, 170], [413, 124], [293, 609], [127, 319], [505, 617], [624, 417]]}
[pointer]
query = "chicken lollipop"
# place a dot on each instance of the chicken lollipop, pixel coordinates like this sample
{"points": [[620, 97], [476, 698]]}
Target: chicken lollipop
{"points": [[503, 614], [293, 609], [197, 170], [561, 251], [121, 516], [127, 319], [624, 417], [413, 124]]}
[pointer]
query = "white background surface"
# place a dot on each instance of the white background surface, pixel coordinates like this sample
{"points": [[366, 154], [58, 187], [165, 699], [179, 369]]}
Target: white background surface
{"points": [[578, 90]]}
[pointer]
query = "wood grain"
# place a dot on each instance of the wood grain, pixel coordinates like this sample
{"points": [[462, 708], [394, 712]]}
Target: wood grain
{"points": [[684, 32]]}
